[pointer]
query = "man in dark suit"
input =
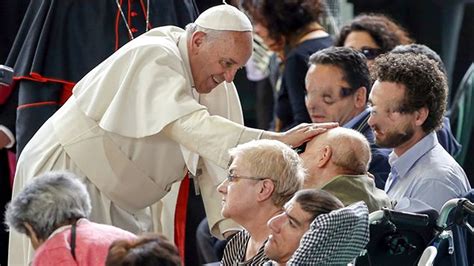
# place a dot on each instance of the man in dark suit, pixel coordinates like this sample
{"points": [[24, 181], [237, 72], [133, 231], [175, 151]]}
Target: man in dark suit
{"points": [[337, 85]]}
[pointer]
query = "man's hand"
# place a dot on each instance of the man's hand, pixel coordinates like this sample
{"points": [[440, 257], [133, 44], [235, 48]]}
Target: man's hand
{"points": [[4, 139], [301, 133]]}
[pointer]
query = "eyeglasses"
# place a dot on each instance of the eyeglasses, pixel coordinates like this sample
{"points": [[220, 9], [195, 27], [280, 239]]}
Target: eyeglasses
{"points": [[371, 53], [300, 149], [232, 177]]}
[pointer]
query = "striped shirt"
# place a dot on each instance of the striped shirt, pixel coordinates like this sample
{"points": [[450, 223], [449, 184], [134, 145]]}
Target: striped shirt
{"points": [[235, 250]]}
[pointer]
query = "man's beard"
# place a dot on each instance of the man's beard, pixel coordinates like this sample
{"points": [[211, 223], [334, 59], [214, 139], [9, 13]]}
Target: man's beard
{"points": [[395, 139]]}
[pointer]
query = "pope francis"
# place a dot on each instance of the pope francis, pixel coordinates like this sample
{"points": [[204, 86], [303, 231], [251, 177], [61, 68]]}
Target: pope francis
{"points": [[161, 105]]}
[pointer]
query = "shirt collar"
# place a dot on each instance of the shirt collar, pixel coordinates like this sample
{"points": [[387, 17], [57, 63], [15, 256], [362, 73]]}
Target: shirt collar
{"points": [[405, 162], [356, 118]]}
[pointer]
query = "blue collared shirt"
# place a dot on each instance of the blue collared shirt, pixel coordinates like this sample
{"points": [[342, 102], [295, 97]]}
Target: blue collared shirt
{"points": [[427, 174], [356, 118]]}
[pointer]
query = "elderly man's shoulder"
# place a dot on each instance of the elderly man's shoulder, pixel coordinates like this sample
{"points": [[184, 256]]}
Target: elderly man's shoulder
{"points": [[165, 38], [171, 33], [159, 46]]}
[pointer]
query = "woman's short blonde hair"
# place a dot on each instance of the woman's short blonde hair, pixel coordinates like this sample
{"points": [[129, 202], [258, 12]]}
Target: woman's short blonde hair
{"points": [[274, 160]]}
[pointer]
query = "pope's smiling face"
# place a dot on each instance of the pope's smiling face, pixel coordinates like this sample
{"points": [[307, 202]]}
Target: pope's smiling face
{"points": [[216, 57]]}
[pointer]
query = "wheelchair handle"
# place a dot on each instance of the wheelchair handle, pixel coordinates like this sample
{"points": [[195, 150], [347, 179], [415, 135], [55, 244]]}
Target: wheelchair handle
{"points": [[467, 206], [399, 217], [375, 216]]}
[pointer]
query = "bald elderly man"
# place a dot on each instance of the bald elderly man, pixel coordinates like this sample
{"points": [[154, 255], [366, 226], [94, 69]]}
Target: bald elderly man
{"points": [[337, 162], [161, 105]]}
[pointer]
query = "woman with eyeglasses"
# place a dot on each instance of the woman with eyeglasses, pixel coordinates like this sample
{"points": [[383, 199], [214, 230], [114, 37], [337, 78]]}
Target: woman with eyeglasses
{"points": [[373, 35], [263, 176]]}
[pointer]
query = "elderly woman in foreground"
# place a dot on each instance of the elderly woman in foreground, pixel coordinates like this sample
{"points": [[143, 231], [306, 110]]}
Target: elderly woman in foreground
{"points": [[52, 211], [263, 176]]}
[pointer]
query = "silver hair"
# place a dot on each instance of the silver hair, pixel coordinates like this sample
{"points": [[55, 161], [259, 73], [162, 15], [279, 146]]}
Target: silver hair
{"points": [[211, 35], [275, 160], [47, 202]]}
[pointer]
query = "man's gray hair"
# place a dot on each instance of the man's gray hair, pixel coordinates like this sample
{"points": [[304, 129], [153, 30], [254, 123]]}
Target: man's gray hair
{"points": [[210, 34], [350, 150], [274, 160], [47, 202]]}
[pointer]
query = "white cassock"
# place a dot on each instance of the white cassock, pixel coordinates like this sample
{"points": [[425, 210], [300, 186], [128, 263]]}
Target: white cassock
{"points": [[129, 131]]}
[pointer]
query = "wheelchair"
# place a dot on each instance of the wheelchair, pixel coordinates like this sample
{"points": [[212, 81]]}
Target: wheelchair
{"points": [[422, 238]]}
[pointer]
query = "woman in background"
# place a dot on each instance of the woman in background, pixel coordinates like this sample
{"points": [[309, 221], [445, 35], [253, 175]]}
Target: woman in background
{"points": [[292, 30], [373, 35]]}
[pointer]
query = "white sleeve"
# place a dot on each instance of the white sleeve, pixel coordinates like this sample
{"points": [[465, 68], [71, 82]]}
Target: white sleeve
{"points": [[209, 136]]}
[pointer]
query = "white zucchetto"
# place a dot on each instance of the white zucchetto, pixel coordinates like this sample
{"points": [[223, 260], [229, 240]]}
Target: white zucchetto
{"points": [[224, 17]]}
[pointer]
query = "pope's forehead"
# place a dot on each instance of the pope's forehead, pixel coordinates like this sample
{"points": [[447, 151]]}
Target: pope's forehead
{"points": [[235, 45]]}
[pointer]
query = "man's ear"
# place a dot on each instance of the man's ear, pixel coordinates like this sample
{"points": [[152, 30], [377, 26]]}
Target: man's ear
{"points": [[197, 40], [361, 97], [266, 190], [421, 116], [324, 156]]}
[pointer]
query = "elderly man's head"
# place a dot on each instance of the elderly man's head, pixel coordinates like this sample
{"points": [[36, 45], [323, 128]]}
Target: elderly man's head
{"points": [[337, 85], [49, 201], [263, 172], [219, 43], [288, 227], [339, 151]]}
